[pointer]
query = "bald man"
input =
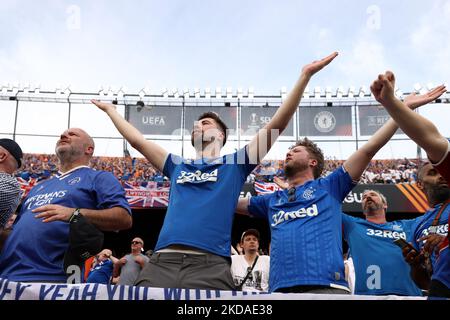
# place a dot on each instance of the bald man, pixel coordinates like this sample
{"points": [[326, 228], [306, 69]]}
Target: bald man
{"points": [[34, 252]]}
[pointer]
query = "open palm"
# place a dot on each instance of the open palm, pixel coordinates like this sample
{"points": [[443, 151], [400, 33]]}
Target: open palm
{"points": [[414, 101], [314, 67]]}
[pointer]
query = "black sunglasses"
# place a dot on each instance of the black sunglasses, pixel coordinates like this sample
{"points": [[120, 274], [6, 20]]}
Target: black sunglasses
{"points": [[291, 194], [136, 242]]}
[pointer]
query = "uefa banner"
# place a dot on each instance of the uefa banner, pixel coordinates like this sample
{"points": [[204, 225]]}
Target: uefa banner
{"points": [[155, 120], [372, 118], [325, 121], [227, 114], [255, 118]]}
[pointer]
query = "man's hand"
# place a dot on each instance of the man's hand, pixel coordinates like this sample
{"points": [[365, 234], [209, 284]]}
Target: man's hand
{"points": [[53, 212], [314, 67], [122, 261], [414, 101], [432, 242], [412, 256], [139, 260], [383, 87], [103, 105]]}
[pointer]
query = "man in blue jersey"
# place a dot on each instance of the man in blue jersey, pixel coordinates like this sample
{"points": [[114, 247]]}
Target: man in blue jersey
{"points": [[379, 265], [193, 248], [35, 249], [432, 230], [102, 270], [306, 218], [431, 270]]}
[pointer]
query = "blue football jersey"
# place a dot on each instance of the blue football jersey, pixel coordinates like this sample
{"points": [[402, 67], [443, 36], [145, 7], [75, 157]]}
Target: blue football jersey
{"points": [[424, 227], [34, 250], [202, 202], [306, 244], [101, 273], [441, 270], [380, 268]]}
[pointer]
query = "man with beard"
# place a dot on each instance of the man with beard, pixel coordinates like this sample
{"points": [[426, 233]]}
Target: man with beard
{"points": [[379, 265], [430, 260], [34, 251], [306, 219], [426, 135], [193, 248]]}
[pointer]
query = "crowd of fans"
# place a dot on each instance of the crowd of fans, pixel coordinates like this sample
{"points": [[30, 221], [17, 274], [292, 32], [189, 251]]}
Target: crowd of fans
{"points": [[138, 171]]}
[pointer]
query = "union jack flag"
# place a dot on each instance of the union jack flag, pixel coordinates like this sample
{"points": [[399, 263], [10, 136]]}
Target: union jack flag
{"points": [[262, 188], [26, 185], [150, 195]]}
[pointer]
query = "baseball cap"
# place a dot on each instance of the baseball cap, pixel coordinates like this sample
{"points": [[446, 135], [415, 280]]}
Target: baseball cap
{"points": [[85, 241], [13, 148], [250, 232]]}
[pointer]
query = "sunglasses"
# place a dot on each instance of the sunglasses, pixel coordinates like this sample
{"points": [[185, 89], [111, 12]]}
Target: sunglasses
{"points": [[136, 242], [291, 194]]}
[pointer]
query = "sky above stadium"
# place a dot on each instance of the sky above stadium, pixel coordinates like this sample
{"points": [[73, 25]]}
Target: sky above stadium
{"points": [[233, 43]]}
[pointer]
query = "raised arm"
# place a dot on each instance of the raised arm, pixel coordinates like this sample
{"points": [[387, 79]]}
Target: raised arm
{"points": [[150, 150], [260, 145], [384, 86], [419, 129]]}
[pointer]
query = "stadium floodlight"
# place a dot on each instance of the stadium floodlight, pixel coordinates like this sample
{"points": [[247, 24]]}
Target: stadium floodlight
{"points": [[229, 92], [328, 92], [362, 91], [251, 92], [197, 93], [283, 93], [218, 92], [240, 93], [208, 93], [306, 92], [317, 92], [351, 92]]}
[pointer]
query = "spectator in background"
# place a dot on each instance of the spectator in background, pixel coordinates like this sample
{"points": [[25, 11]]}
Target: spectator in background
{"points": [[250, 271], [10, 160], [34, 251], [102, 268], [129, 266], [379, 265]]}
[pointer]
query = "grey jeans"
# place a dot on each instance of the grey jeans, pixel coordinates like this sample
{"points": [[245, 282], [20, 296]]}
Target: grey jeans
{"points": [[187, 271]]}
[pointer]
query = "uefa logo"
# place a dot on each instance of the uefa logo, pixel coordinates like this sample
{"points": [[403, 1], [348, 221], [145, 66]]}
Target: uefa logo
{"points": [[324, 121]]}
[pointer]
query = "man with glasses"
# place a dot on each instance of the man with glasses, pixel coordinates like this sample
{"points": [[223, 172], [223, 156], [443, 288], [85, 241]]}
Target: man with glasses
{"points": [[131, 265], [306, 219]]}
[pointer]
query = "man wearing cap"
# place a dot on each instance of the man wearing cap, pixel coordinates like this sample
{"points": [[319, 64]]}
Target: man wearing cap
{"points": [[71, 205], [250, 271], [10, 160]]}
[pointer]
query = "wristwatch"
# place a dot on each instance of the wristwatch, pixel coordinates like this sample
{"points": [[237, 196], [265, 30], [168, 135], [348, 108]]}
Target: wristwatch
{"points": [[75, 215]]}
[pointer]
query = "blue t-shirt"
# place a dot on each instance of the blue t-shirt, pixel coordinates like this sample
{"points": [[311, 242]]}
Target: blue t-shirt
{"points": [[101, 273], [202, 201], [34, 250], [306, 244], [380, 268], [423, 227]]}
